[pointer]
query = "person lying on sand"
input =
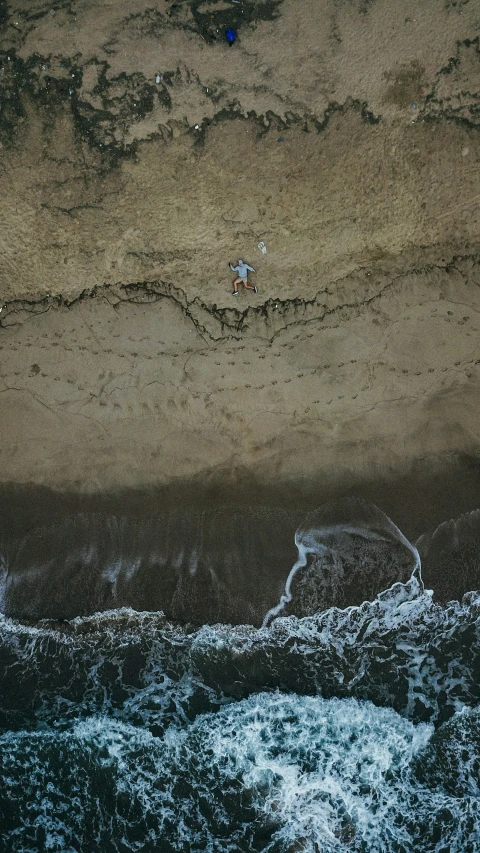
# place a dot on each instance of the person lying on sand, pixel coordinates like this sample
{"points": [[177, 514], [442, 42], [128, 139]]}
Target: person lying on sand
{"points": [[242, 270]]}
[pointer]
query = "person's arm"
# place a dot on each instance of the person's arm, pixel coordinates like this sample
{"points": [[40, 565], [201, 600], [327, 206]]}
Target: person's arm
{"points": [[233, 268], [249, 268]]}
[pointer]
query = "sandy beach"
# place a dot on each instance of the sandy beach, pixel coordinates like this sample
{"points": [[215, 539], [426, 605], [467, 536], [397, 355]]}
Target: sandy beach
{"points": [[335, 147]]}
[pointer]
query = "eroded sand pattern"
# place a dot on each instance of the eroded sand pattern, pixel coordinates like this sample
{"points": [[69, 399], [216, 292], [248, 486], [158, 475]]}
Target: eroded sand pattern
{"points": [[140, 154]]}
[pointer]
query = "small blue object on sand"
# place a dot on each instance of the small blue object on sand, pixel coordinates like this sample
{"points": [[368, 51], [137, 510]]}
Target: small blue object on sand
{"points": [[230, 35]]}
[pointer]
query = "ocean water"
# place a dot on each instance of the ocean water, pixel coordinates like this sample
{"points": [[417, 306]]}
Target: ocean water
{"points": [[335, 706]]}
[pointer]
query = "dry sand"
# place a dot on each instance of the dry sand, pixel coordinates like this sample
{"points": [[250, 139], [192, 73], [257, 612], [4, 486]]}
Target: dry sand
{"points": [[342, 135]]}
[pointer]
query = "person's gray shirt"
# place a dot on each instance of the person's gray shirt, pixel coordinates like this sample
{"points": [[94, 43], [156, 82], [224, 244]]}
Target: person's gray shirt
{"points": [[242, 269]]}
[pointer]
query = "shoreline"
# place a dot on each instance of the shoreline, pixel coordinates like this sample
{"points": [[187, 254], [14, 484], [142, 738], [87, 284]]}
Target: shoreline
{"points": [[254, 521], [415, 501]]}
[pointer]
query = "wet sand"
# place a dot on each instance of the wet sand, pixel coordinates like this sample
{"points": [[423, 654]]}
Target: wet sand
{"points": [[204, 555]]}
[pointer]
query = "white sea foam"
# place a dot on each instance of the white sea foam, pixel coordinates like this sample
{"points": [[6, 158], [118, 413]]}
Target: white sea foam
{"points": [[271, 773], [158, 737], [320, 537], [402, 649]]}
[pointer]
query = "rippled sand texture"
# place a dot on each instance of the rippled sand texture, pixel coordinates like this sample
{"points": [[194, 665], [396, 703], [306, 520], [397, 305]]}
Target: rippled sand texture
{"points": [[140, 154]]}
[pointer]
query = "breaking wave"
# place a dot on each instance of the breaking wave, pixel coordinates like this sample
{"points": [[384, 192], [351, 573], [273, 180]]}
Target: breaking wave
{"points": [[348, 722]]}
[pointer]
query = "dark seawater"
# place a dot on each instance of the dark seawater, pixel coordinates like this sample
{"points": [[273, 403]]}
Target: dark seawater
{"points": [[227, 681]]}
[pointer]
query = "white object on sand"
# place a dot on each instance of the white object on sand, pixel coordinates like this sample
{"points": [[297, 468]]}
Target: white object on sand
{"points": [[262, 247]]}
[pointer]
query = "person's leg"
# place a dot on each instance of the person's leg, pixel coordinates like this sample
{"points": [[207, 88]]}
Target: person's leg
{"points": [[235, 286], [250, 286]]}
